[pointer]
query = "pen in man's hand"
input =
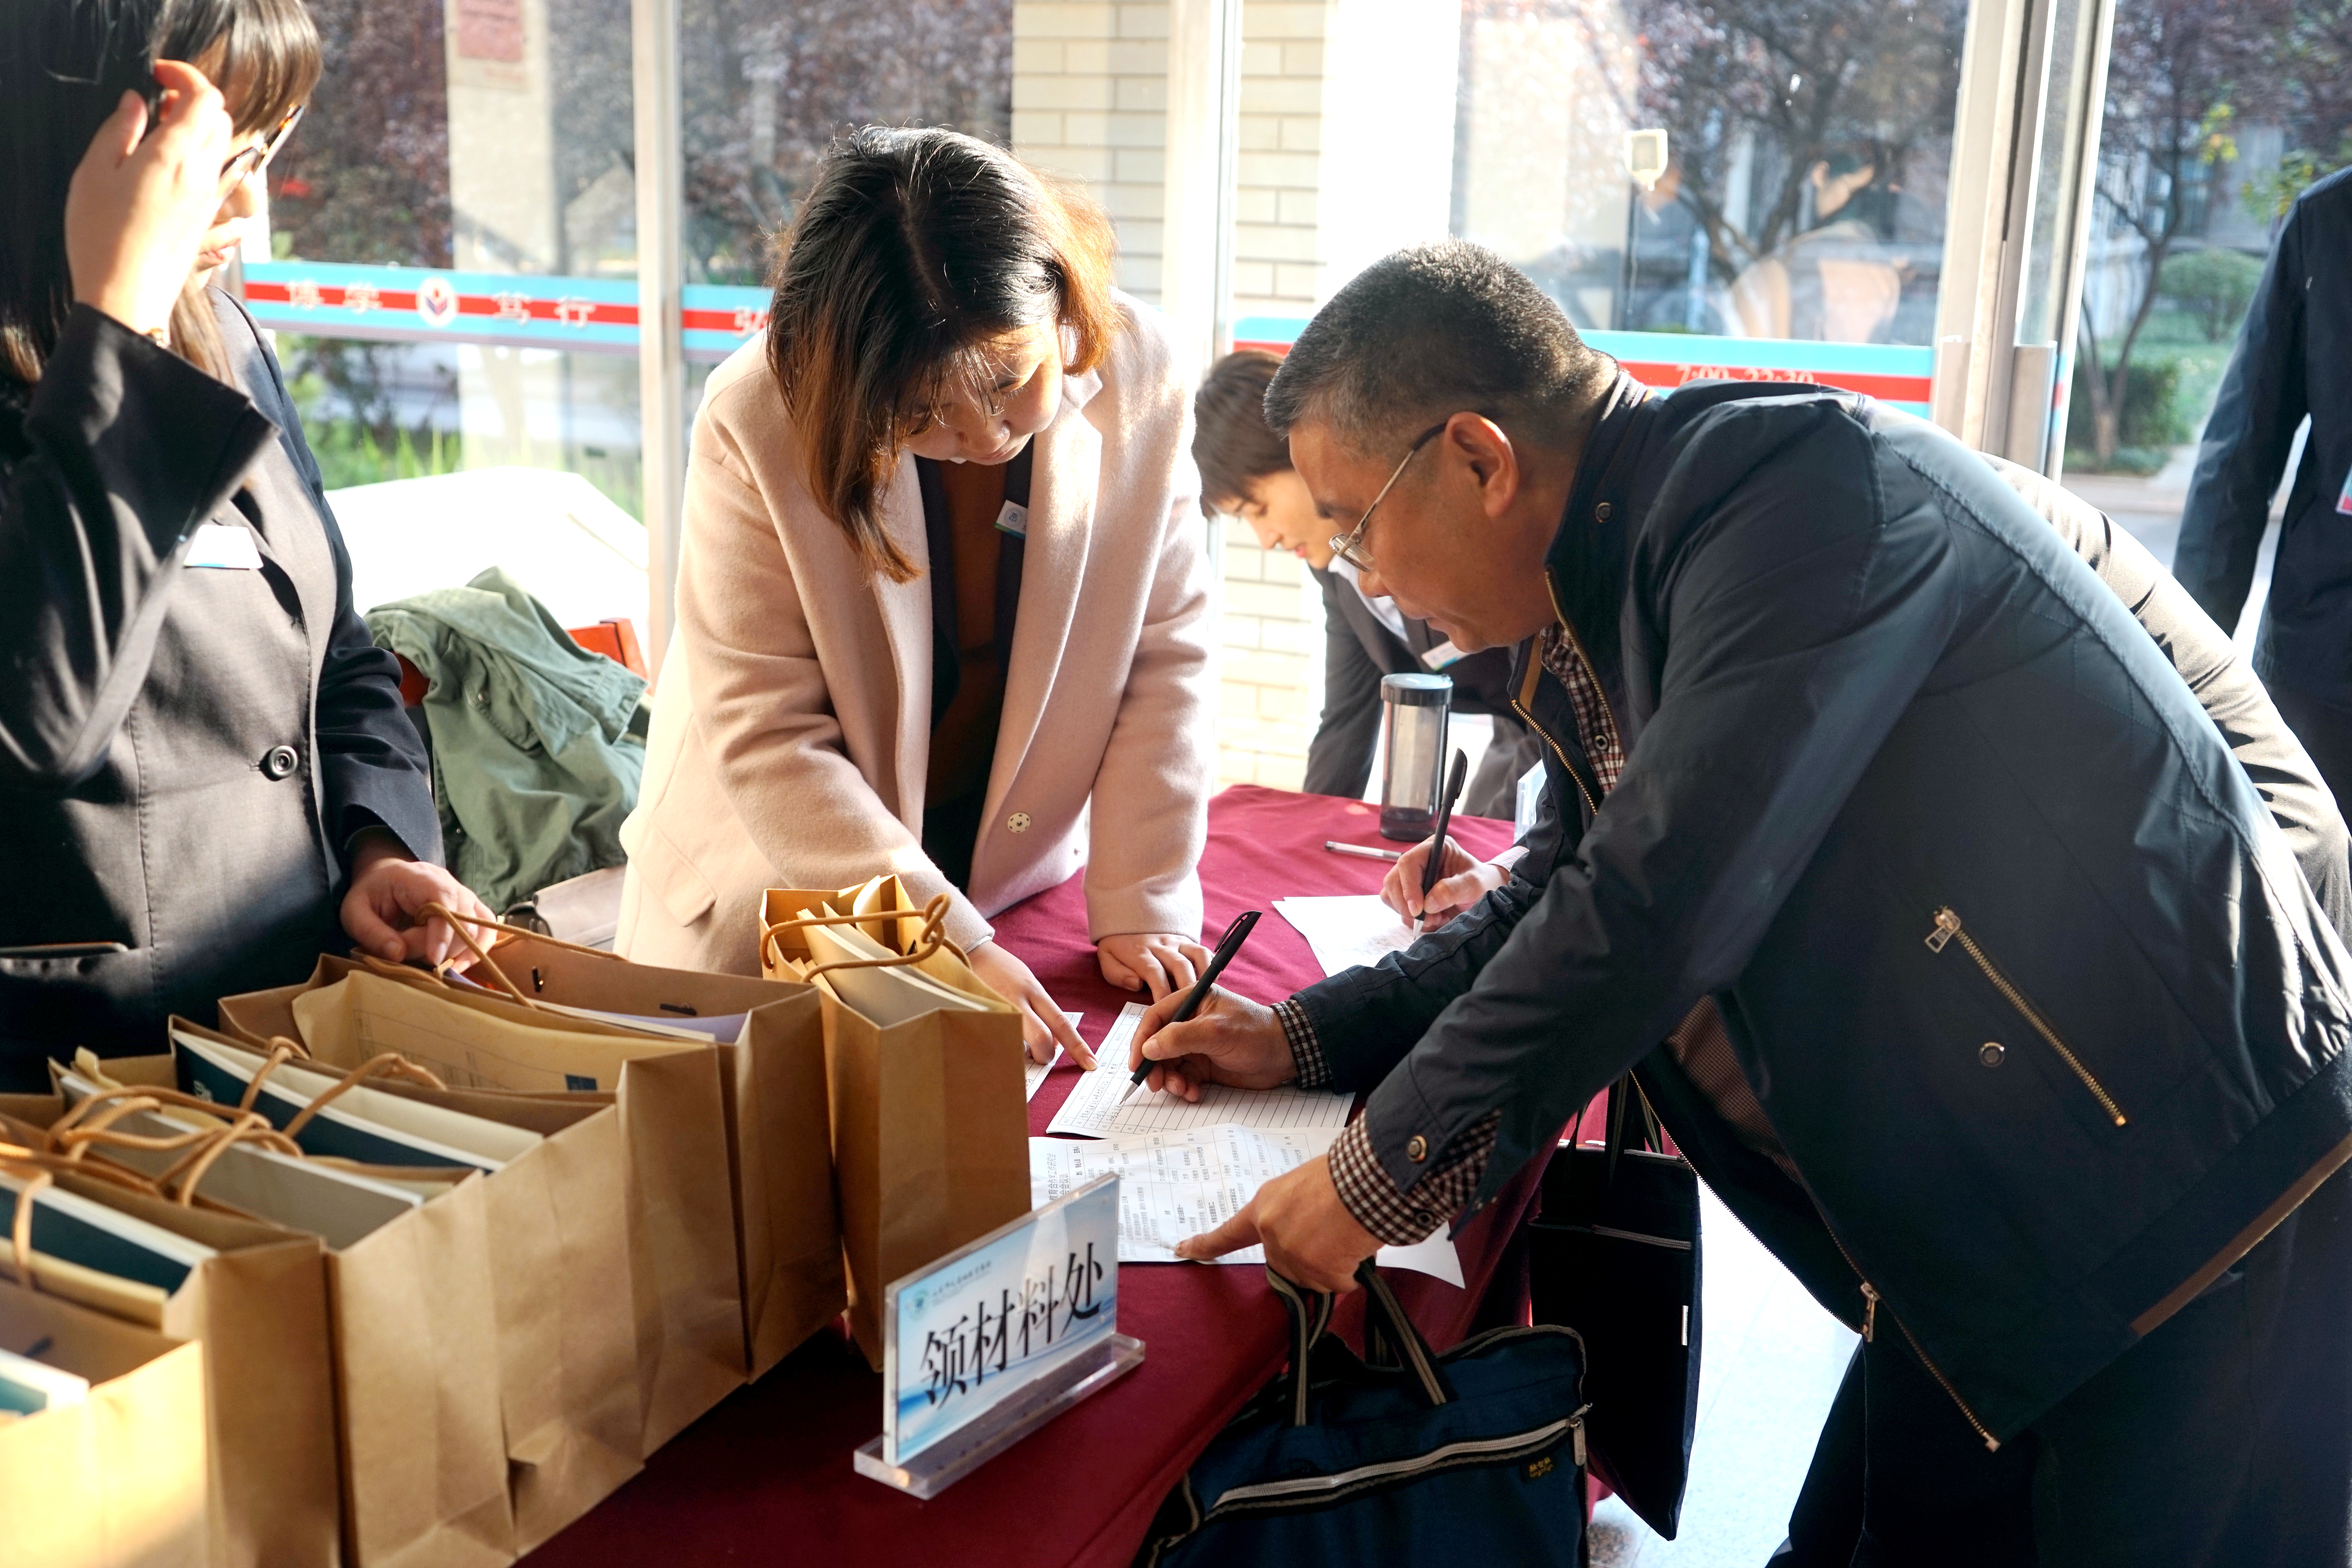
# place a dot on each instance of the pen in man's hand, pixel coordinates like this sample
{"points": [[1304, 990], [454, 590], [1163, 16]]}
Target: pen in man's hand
{"points": [[1436, 862], [1227, 945]]}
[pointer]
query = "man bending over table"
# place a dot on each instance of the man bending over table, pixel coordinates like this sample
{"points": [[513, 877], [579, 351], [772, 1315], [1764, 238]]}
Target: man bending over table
{"points": [[1993, 1000]]}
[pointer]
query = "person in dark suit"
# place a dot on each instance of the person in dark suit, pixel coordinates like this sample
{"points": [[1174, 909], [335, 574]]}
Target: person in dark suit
{"points": [[1245, 471], [2293, 358], [206, 778]]}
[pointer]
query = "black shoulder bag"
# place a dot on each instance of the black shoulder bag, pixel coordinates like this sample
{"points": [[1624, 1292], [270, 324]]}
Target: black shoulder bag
{"points": [[1613, 1253]]}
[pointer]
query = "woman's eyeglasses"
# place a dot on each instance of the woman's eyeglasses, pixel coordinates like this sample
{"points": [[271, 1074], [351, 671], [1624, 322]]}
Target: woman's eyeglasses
{"points": [[1350, 546], [257, 154]]}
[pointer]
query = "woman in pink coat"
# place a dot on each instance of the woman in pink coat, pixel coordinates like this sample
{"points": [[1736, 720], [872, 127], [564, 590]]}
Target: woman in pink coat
{"points": [[943, 604]]}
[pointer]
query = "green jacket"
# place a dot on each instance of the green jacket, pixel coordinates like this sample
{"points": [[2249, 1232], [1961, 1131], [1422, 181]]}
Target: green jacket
{"points": [[538, 744]]}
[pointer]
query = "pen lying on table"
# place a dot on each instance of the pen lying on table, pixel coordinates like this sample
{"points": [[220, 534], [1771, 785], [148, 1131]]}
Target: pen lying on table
{"points": [[1364, 850]]}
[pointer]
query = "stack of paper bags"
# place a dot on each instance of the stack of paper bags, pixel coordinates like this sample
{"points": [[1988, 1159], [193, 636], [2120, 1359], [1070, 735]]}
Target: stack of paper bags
{"points": [[104, 1452], [930, 1123], [403, 1405], [720, 1081], [253, 1293]]}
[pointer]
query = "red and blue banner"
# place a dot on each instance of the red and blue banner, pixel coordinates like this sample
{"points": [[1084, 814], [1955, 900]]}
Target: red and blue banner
{"points": [[599, 315], [415, 304]]}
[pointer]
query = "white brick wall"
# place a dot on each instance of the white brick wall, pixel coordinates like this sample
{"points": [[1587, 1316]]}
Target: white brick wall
{"points": [[1090, 99], [1278, 251]]}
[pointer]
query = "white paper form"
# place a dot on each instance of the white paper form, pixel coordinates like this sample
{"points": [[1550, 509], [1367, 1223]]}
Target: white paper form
{"points": [[1178, 1185], [1035, 1071], [1348, 932], [1093, 1109]]}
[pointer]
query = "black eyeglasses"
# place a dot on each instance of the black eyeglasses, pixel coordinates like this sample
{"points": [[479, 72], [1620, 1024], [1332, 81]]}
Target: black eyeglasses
{"points": [[257, 154], [1350, 546]]}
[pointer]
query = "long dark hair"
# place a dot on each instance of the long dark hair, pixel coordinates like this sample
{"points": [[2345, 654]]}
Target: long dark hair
{"points": [[913, 250], [64, 66]]}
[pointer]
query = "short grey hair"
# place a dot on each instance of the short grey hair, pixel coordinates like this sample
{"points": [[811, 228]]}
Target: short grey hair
{"points": [[1429, 332]]}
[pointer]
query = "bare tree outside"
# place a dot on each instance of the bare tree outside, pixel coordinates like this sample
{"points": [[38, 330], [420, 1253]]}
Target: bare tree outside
{"points": [[767, 87], [2176, 80]]}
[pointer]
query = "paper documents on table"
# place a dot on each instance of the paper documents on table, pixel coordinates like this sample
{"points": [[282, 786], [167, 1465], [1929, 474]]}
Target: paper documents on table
{"points": [[1093, 1109], [1347, 932], [1178, 1185], [1035, 1071]]}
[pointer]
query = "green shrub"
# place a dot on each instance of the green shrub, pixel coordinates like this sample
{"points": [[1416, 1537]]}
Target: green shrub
{"points": [[2152, 417], [2213, 286]]}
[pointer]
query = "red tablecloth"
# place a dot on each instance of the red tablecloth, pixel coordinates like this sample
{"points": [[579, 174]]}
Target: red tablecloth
{"points": [[767, 1475]]}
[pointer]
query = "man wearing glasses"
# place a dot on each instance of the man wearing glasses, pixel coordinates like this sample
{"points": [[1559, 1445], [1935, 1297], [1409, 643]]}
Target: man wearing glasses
{"points": [[1992, 998]]}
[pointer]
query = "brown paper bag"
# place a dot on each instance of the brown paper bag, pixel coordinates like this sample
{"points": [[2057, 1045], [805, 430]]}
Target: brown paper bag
{"points": [[930, 1133], [777, 1122], [260, 1308], [561, 1290], [408, 1380], [120, 1479], [686, 1293]]}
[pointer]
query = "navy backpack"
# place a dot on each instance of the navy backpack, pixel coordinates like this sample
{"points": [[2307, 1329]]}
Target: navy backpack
{"points": [[1397, 1456]]}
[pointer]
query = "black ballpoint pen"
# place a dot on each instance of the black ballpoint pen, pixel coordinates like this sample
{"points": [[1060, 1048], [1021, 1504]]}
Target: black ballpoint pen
{"points": [[1227, 945], [1429, 871]]}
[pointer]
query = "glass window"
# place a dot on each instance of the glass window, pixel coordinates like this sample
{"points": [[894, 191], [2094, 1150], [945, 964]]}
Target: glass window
{"points": [[1808, 146], [767, 85], [490, 143]]}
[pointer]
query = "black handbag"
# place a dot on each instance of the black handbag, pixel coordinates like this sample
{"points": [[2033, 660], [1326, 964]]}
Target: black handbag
{"points": [[1399, 1455], [1613, 1253]]}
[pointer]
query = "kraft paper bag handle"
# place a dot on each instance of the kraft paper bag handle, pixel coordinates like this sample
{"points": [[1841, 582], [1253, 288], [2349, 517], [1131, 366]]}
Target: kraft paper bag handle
{"points": [[390, 1064], [457, 924], [932, 938], [191, 1168], [37, 1168], [21, 1234]]}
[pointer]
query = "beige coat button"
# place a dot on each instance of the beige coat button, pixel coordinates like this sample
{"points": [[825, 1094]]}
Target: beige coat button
{"points": [[1018, 822], [1417, 1149]]}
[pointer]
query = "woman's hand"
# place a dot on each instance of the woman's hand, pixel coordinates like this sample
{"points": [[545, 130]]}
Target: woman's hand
{"points": [[137, 210], [1042, 1023], [1466, 880], [1160, 959], [382, 910]]}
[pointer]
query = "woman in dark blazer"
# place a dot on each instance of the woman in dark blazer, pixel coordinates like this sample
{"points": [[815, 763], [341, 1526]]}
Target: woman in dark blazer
{"points": [[206, 778]]}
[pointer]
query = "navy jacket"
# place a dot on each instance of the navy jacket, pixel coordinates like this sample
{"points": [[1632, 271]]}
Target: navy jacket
{"points": [[185, 752], [1905, 780], [2293, 358]]}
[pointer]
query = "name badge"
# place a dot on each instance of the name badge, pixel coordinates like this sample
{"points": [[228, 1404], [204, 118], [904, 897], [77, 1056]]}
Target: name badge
{"points": [[1441, 655], [223, 547], [1014, 519], [2344, 502], [994, 1340]]}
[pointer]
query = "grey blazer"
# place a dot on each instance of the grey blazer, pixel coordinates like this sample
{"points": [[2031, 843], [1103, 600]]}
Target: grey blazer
{"points": [[186, 751]]}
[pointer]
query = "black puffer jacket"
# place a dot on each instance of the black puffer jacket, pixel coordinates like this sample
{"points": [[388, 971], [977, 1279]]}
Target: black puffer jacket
{"points": [[1904, 779]]}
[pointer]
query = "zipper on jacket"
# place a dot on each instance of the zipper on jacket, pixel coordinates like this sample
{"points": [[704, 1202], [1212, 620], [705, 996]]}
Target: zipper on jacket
{"points": [[1592, 807], [1535, 673], [1870, 1303], [1947, 926]]}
